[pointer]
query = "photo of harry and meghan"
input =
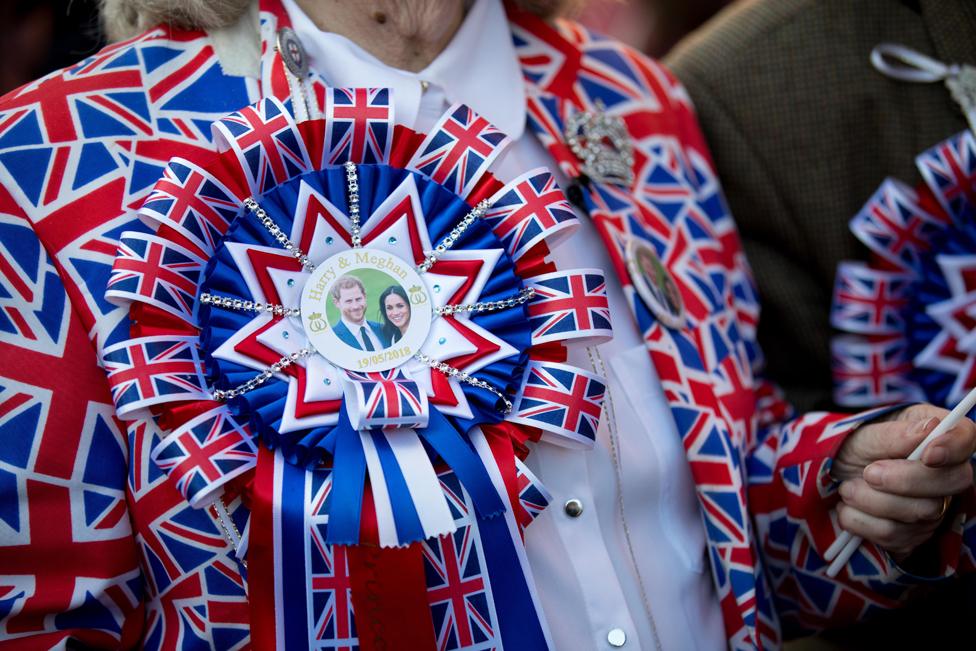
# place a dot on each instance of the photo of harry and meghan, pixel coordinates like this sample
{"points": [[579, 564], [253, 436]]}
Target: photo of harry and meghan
{"points": [[353, 328]]}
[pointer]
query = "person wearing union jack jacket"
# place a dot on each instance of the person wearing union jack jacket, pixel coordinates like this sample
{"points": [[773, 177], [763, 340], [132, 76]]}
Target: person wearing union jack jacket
{"points": [[546, 457]]}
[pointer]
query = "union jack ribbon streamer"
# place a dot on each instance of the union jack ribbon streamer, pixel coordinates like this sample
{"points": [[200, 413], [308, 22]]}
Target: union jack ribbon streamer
{"points": [[154, 370], [359, 125], [530, 210], [204, 453], [570, 305], [267, 143], [194, 202], [949, 170], [459, 149], [155, 271], [911, 303], [894, 226], [563, 401], [872, 371], [869, 301], [533, 497], [385, 398]]}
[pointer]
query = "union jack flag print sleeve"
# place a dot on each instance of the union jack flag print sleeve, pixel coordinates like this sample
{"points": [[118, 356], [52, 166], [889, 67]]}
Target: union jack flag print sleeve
{"points": [[69, 567], [787, 458]]}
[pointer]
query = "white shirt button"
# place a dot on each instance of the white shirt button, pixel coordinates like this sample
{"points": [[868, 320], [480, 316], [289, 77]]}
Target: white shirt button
{"points": [[573, 508], [616, 637]]}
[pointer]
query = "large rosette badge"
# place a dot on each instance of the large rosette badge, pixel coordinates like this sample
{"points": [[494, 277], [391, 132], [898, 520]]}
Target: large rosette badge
{"points": [[359, 298], [908, 316]]}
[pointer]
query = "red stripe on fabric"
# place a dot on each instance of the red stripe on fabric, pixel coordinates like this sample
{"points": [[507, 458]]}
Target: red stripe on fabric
{"points": [[21, 323], [500, 438], [8, 406], [57, 172], [275, 7], [389, 595], [183, 73], [405, 143], [261, 554]]}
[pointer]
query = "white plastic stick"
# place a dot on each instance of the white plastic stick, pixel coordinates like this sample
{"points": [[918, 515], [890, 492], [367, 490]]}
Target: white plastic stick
{"points": [[844, 547]]}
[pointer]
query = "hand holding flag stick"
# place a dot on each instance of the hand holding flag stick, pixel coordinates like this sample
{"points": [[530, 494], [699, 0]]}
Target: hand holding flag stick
{"points": [[840, 552]]}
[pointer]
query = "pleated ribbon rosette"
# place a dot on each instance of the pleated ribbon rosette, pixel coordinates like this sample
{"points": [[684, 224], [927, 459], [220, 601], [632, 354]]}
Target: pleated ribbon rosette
{"points": [[907, 317], [233, 299]]}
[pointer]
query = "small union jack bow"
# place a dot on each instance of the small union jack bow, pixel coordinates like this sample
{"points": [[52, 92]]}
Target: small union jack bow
{"points": [[906, 316], [366, 303]]}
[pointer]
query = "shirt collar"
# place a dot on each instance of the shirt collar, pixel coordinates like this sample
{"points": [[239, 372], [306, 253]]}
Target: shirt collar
{"points": [[491, 83]]}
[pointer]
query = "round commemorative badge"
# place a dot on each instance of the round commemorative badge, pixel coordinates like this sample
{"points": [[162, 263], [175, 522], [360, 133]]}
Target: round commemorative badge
{"points": [[654, 284], [292, 52], [366, 310]]}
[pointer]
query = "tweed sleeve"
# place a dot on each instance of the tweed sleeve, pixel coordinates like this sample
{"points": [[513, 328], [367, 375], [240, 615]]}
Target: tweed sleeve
{"points": [[787, 459]]}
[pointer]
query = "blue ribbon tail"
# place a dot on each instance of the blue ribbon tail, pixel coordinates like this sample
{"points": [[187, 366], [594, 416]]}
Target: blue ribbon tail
{"points": [[348, 479], [470, 471], [408, 526]]}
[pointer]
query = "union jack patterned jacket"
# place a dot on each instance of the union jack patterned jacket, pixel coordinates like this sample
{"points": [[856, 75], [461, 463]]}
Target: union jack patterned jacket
{"points": [[99, 547]]}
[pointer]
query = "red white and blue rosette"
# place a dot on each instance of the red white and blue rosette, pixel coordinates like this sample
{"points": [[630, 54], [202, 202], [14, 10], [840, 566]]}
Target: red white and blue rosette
{"points": [[908, 316], [247, 340]]}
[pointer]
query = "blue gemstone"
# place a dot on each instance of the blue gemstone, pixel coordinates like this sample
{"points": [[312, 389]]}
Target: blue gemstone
{"points": [[329, 240], [327, 381], [437, 288], [291, 282], [442, 341], [392, 240], [285, 334]]}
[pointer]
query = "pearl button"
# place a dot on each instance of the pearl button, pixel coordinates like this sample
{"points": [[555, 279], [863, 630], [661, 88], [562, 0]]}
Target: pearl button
{"points": [[616, 637], [573, 508]]}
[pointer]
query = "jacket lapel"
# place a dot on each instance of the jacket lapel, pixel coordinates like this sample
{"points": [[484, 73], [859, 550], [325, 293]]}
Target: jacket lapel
{"points": [[661, 208]]}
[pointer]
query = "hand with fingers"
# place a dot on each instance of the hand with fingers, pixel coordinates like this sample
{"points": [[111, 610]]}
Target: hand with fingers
{"points": [[891, 501]]}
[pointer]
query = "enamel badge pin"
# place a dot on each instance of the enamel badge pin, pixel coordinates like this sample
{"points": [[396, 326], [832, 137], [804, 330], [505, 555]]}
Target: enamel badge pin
{"points": [[654, 284]]}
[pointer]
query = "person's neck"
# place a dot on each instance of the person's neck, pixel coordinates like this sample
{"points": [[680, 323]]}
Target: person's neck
{"points": [[358, 324], [404, 34]]}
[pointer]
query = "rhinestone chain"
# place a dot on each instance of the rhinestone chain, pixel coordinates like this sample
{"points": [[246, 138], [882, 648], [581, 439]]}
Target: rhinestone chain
{"points": [[352, 185], [476, 213], [278, 234], [261, 377], [241, 305], [465, 377], [521, 298]]}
